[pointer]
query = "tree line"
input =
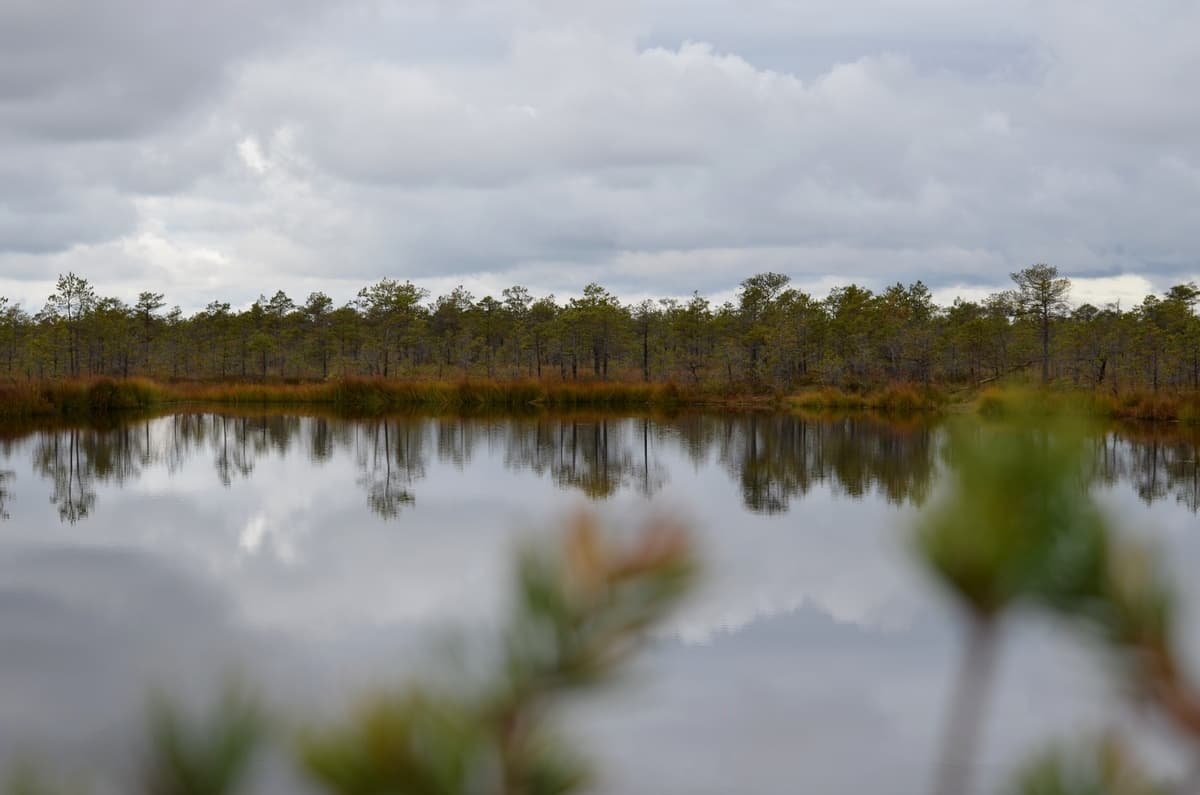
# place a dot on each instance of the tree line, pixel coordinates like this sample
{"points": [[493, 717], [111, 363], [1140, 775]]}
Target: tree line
{"points": [[771, 336]]}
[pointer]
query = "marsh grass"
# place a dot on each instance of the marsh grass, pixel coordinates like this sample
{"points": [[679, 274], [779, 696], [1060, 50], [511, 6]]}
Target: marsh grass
{"points": [[78, 399], [364, 395], [1137, 405], [893, 399], [100, 397], [74, 399]]}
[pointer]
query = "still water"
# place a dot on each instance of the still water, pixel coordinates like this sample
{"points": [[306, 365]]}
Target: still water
{"points": [[320, 556]]}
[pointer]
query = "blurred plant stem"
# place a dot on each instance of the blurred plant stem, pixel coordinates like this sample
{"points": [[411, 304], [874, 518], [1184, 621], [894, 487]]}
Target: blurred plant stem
{"points": [[968, 707]]}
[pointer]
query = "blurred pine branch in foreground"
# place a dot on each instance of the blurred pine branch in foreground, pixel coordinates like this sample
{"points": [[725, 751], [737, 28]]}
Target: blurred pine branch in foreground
{"points": [[1018, 526]]}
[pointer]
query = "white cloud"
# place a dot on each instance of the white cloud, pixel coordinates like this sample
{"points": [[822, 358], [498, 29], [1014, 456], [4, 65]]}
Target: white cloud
{"points": [[1128, 289]]}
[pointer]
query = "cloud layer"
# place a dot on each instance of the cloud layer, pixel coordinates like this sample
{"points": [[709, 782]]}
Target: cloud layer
{"points": [[227, 150]]}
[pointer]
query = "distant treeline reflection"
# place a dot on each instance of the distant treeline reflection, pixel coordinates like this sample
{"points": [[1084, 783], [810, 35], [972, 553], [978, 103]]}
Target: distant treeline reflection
{"points": [[774, 459]]}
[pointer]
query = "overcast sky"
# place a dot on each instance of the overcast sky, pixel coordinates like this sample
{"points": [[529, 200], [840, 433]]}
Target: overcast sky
{"points": [[229, 148]]}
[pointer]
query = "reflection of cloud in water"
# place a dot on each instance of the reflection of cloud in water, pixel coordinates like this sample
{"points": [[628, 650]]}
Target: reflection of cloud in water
{"points": [[841, 557], [287, 518], [85, 631], [261, 535], [211, 539]]}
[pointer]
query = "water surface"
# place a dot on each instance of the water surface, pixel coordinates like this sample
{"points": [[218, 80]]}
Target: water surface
{"points": [[318, 556]]}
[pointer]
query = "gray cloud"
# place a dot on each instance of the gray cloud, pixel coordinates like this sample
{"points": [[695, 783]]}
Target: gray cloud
{"points": [[77, 70], [103, 102], [643, 145]]}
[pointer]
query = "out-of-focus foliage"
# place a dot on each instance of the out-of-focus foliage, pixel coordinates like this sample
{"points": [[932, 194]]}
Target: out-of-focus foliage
{"points": [[210, 756], [1133, 612], [1133, 604], [577, 615], [1104, 767], [1017, 525], [27, 779], [1017, 522], [415, 742]]}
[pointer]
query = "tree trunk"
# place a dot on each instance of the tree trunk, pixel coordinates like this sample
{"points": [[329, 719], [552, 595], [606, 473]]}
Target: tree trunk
{"points": [[646, 353], [1045, 349]]}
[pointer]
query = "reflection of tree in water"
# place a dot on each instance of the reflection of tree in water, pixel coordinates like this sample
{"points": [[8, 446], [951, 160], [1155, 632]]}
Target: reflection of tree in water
{"points": [[773, 458], [457, 438], [649, 474], [185, 434], [75, 460], [258, 436], [595, 455], [233, 452], [1159, 466], [63, 458], [778, 457], [320, 440], [697, 434], [591, 456], [237, 442], [531, 444], [6, 477], [391, 456]]}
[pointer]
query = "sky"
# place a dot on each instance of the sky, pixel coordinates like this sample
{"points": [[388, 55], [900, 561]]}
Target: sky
{"points": [[224, 149]]}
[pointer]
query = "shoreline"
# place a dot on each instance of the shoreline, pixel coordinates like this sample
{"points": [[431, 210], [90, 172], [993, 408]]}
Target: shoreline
{"points": [[100, 397]]}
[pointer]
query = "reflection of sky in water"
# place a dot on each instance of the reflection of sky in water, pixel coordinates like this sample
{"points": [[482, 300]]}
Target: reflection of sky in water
{"points": [[815, 658]]}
